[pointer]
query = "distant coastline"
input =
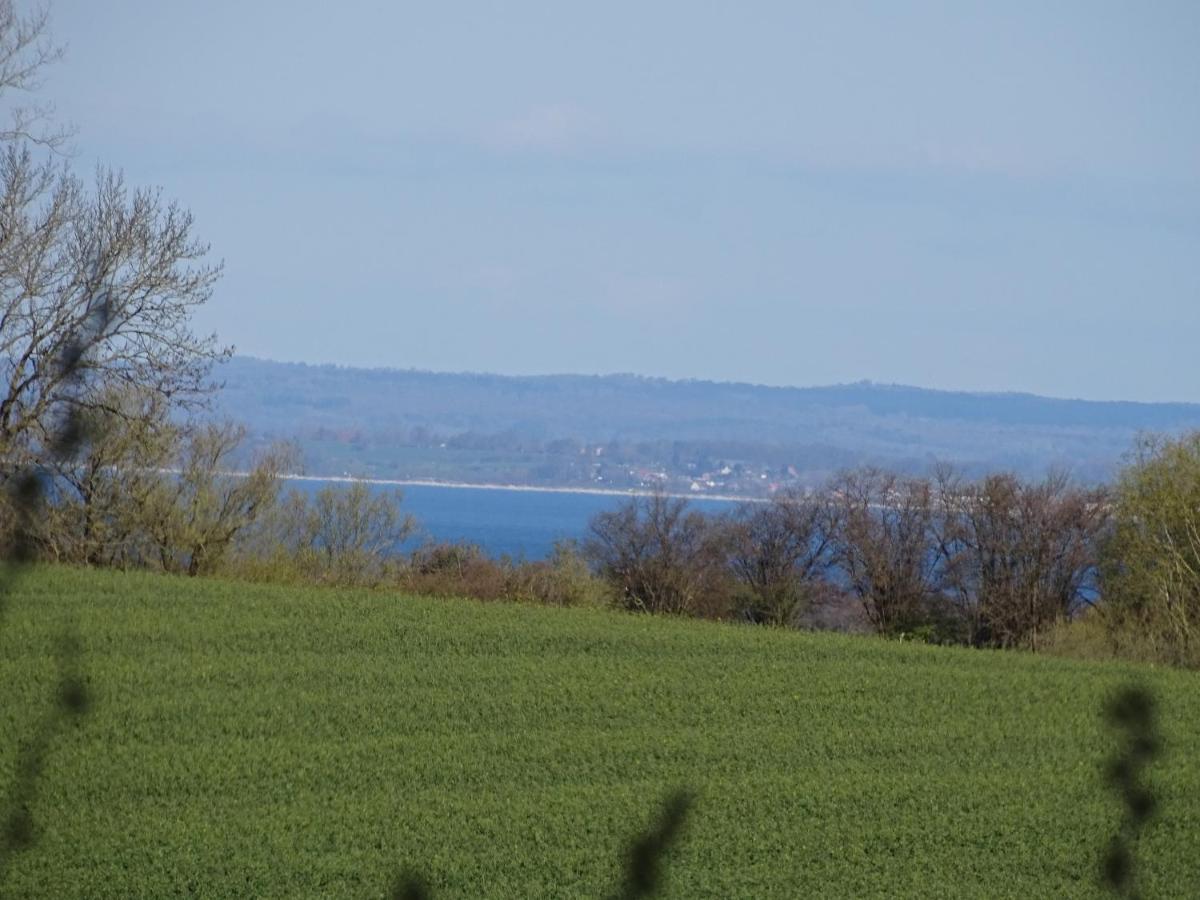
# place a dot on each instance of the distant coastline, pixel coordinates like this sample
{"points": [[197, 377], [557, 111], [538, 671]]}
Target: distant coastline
{"points": [[621, 434], [531, 488]]}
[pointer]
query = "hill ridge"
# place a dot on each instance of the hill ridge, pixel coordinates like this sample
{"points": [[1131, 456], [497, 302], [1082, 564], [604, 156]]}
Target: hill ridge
{"points": [[536, 429]]}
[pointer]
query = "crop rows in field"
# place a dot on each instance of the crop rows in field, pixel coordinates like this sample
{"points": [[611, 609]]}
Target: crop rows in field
{"points": [[249, 740]]}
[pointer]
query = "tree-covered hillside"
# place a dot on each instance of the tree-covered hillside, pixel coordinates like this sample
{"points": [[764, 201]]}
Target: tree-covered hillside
{"points": [[625, 430]]}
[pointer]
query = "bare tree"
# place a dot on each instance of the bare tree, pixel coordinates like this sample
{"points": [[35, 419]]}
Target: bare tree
{"points": [[25, 50], [196, 514], [73, 254], [883, 546], [659, 556], [1018, 556], [352, 525], [103, 492], [779, 551], [64, 257]]}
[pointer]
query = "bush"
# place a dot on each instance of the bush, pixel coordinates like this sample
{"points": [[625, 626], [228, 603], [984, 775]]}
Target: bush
{"points": [[342, 534], [455, 570], [657, 556], [564, 579], [140, 490], [462, 570], [883, 546], [1086, 637], [779, 554], [1017, 556], [1151, 570]]}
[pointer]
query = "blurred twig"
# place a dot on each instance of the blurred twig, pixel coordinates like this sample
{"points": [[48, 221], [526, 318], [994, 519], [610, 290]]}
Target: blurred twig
{"points": [[1132, 714], [27, 488], [643, 874], [410, 886]]}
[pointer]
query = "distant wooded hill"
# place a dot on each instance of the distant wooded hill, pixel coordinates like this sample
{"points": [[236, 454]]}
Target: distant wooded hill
{"points": [[626, 430]]}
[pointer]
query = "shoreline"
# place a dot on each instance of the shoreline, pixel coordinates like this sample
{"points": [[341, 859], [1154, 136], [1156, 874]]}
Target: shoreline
{"points": [[528, 488]]}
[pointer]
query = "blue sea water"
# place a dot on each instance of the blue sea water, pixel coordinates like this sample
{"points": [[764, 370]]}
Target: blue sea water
{"points": [[520, 524]]}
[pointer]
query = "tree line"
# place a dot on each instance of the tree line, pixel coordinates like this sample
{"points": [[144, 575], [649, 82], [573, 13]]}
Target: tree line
{"points": [[105, 382], [990, 562], [997, 561]]}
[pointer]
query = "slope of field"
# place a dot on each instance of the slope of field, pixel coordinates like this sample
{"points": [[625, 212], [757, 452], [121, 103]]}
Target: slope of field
{"points": [[274, 742]]}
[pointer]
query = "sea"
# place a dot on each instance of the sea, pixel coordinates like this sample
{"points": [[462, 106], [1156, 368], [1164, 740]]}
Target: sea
{"points": [[513, 522]]}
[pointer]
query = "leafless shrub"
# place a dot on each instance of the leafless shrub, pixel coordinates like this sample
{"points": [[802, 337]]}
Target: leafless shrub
{"points": [[1018, 556], [779, 553], [445, 569], [882, 546], [659, 556]]}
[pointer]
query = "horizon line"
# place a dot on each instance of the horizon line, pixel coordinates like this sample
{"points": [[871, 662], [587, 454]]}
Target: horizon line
{"points": [[862, 383]]}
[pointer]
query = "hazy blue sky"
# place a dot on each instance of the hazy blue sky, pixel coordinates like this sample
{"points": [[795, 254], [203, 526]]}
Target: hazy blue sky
{"points": [[1000, 196]]}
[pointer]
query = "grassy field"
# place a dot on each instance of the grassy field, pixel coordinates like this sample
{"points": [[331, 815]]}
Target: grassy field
{"points": [[274, 742]]}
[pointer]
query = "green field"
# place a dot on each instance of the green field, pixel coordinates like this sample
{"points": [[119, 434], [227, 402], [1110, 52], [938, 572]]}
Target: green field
{"points": [[270, 741]]}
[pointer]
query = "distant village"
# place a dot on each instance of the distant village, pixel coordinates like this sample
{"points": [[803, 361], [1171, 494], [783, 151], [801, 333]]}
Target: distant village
{"points": [[696, 469], [724, 478]]}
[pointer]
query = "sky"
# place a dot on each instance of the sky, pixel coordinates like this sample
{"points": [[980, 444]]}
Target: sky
{"points": [[990, 196]]}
